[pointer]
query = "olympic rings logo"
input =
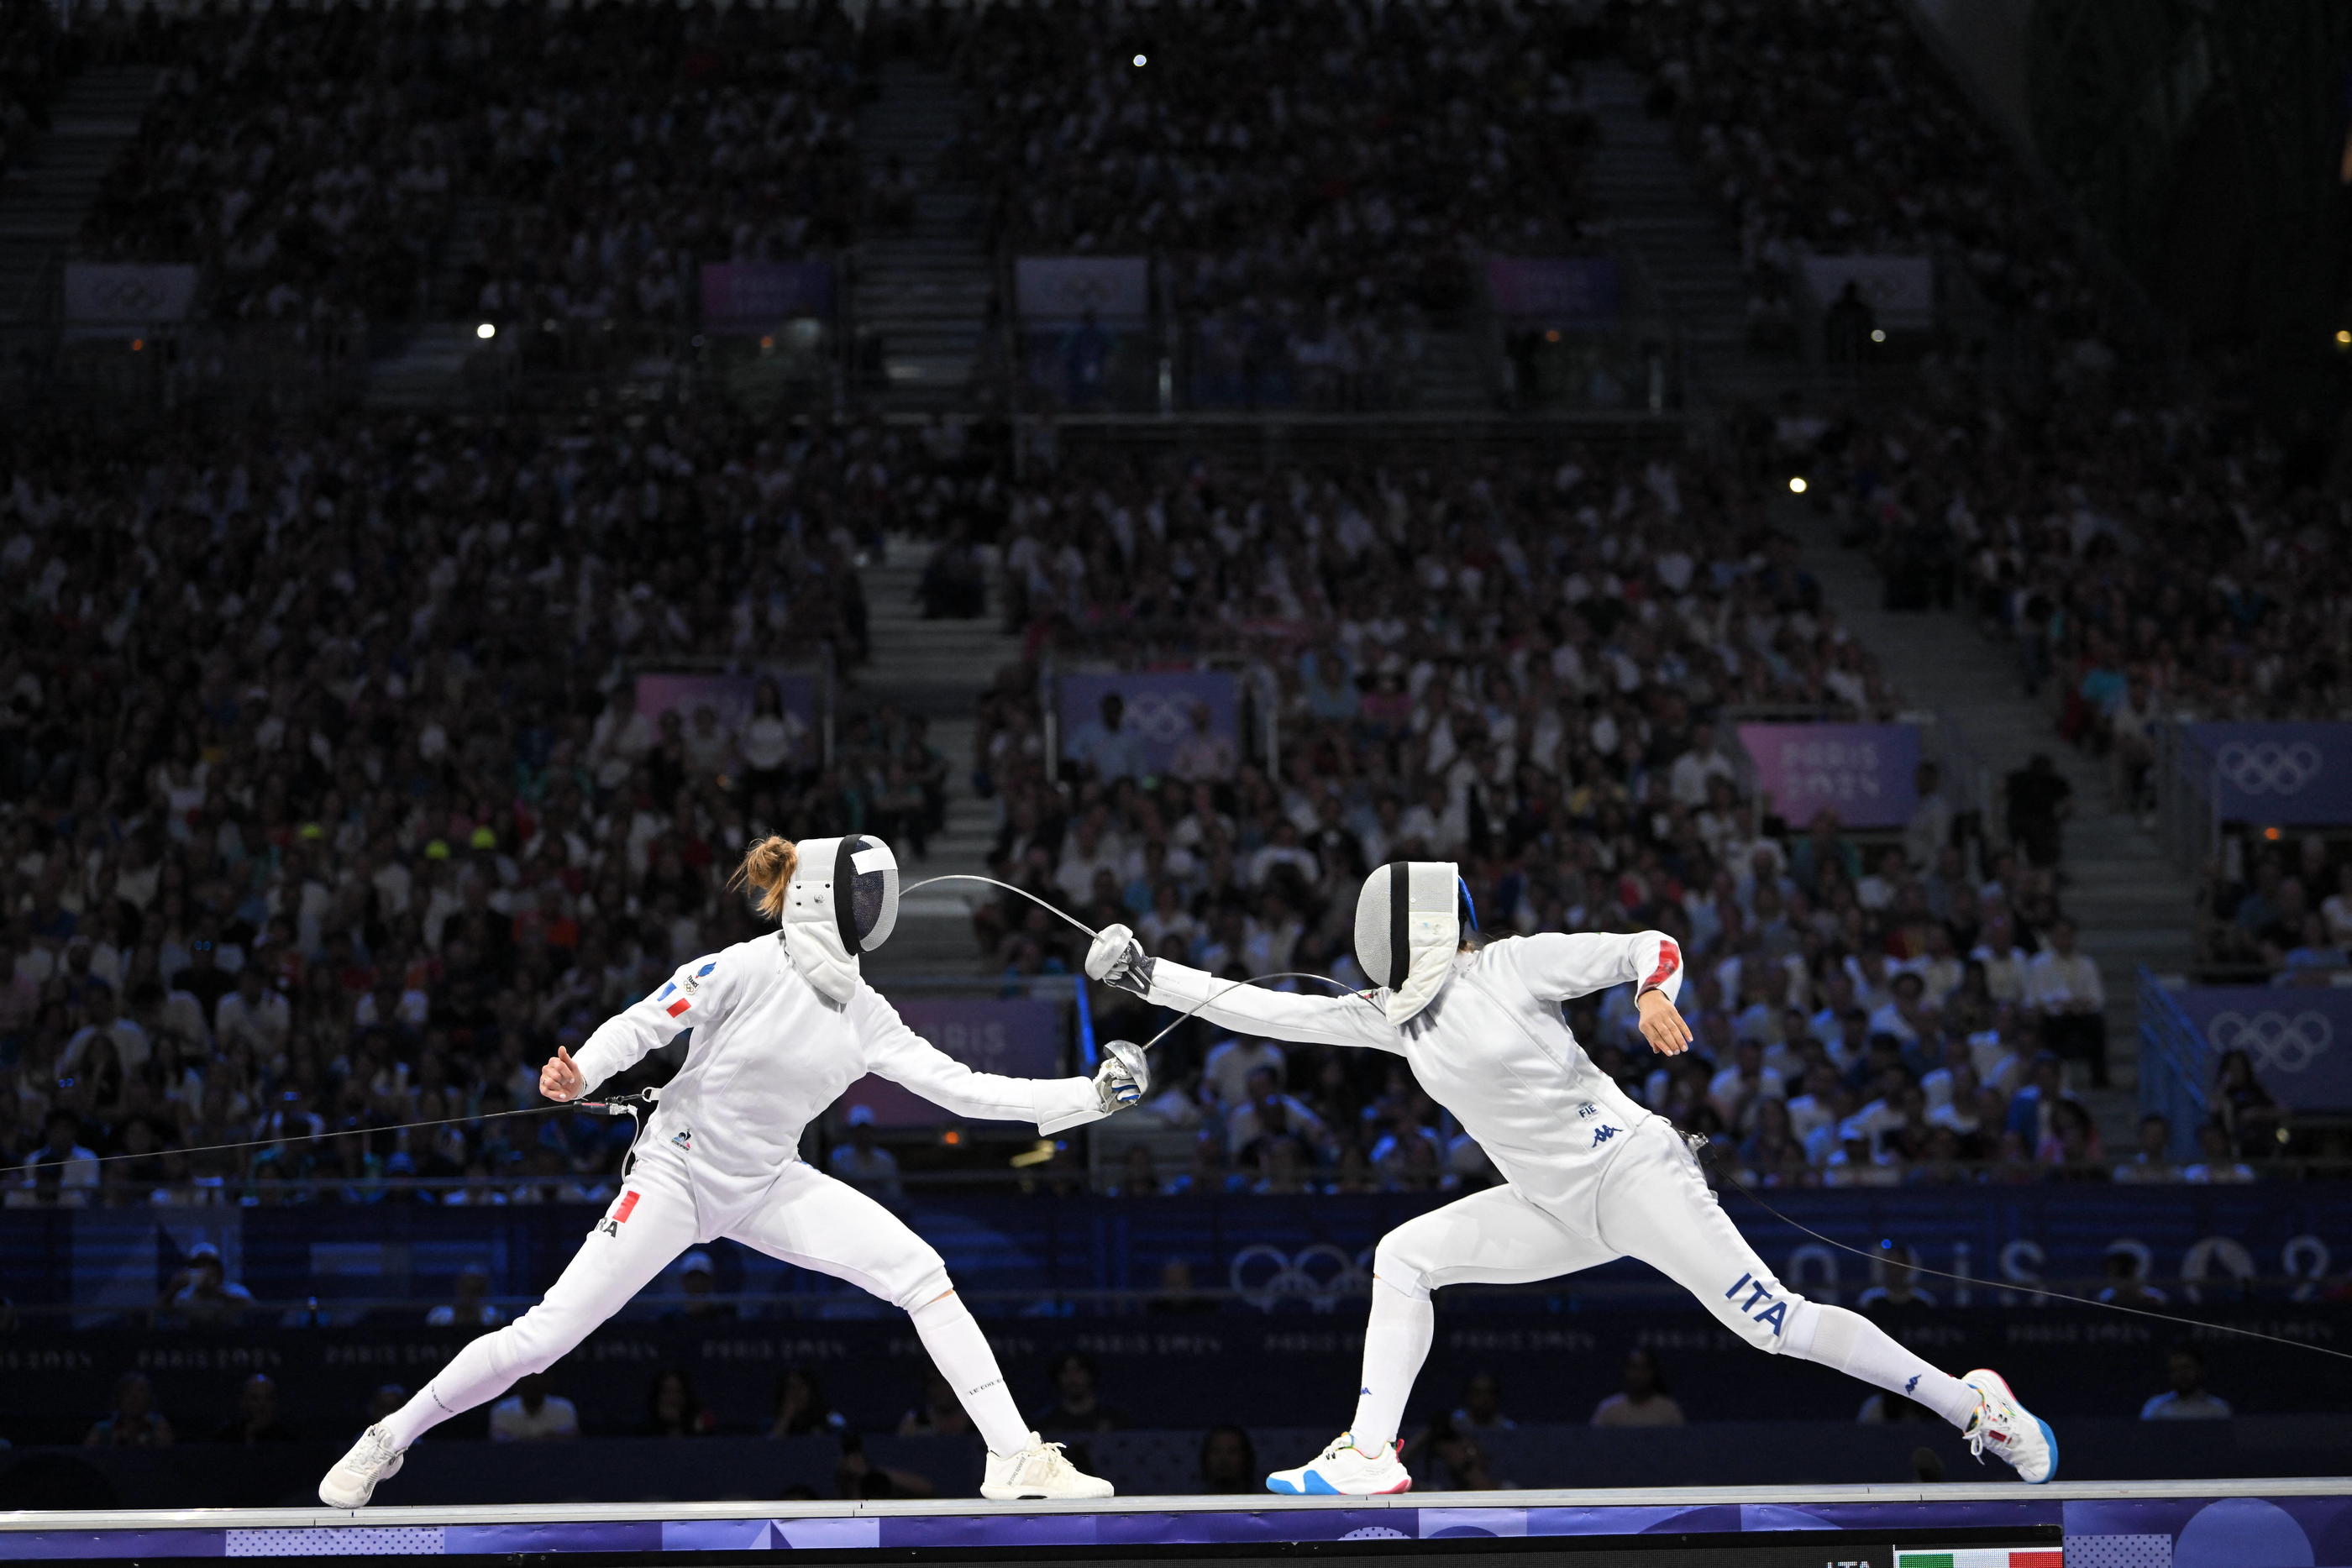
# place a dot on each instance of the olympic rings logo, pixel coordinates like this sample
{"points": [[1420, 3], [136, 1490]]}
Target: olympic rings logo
{"points": [[1320, 1275], [1157, 716], [2267, 767], [2273, 1039]]}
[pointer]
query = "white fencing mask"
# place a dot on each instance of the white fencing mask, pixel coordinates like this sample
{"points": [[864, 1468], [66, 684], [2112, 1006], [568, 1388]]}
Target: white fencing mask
{"points": [[1408, 928], [843, 900]]}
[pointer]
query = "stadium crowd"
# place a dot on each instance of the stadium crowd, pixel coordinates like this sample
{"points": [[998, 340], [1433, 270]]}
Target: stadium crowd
{"points": [[315, 160], [1826, 127], [330, 803], [1528, 670], [2148, 565], [1316, 181]]}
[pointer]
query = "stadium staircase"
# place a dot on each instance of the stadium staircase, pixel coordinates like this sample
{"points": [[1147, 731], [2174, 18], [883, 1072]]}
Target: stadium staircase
{"points": [[920, 294], [2133, 907], [938, 669], [431, 367], [45, 198], [1674, 236]]}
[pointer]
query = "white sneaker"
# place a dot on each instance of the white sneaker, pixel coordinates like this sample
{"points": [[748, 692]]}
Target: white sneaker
{"points": [[1344, 1469], [1038, 1472], [2011, 1431], [353, 1479]]}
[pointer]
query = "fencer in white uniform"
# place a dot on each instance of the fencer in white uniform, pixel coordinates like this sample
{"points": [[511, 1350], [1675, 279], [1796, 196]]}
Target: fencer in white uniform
{"points": [[782, 1025], [1589, 1176]]}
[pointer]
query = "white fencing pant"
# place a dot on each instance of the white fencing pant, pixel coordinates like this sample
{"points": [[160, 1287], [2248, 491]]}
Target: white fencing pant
{"points": [[805, 1218], [1654, 1204]]}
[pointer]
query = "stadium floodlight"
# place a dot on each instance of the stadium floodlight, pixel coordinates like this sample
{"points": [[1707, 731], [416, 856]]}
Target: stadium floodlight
{"points": [[487, 330], [1796, 483], [1878, 334], [1140, 60]]}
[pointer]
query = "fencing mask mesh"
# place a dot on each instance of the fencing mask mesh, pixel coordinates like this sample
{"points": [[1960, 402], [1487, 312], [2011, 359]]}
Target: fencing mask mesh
{"points": [[1408, 927]]}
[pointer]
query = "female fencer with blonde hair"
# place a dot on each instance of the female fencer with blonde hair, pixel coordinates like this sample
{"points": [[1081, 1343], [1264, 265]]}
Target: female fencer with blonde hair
{"points": [[781, 1024]]}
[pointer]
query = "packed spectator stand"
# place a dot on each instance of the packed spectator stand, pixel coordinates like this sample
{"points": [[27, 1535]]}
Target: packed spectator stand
{"points": [[314, 161], [405, 861], [1319, 219], [1827, 127]]}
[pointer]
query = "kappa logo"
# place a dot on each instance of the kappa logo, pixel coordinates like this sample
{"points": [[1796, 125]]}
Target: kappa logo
{"points": [[611, 1224], [1911, 1386], [1603, 1134], [1760, 1304]]}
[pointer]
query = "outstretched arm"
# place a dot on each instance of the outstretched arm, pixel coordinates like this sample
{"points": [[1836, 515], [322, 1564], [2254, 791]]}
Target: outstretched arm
{"points": [[625, 1039], [1557, 967], [897, 1053], [1251, 1008]]}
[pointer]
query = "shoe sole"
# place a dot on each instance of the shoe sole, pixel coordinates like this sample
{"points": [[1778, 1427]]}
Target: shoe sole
{"points": [[2048, 1436], [1318, 1487], [390, 1470]]}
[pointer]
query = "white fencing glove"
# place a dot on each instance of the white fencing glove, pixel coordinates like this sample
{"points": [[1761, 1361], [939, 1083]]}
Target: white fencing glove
{"points": [[1117, 960], [1124, 1077]]}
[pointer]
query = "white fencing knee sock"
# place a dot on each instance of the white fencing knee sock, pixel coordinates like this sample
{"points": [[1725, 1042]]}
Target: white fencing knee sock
{"points": [[1396, 1342], [472, 1378], [960, 1352], [1855, 1345]]}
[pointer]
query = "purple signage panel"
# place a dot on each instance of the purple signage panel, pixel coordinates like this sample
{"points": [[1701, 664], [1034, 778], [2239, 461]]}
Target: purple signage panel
{"points": [[731, 698], [2299, 1037], [2282, 774], [1018, 1038], [752, 296], [1158, 711], [1560, 290], [1861, 771]]}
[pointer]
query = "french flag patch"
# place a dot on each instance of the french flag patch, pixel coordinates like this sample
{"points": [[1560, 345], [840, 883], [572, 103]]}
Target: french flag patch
{"points": [[677, 1007]]}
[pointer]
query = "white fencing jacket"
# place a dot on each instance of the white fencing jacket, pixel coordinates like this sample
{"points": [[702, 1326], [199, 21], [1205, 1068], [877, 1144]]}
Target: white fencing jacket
{"points": [[1492, 1048], [771, 1051]]}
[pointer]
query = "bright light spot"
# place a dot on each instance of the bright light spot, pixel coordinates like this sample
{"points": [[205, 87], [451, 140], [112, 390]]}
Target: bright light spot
{"points": [[485, 332], [138, 345], [1140, 60], [1878, 334], [2272, 834], [1796, 483], [2344, 336]]}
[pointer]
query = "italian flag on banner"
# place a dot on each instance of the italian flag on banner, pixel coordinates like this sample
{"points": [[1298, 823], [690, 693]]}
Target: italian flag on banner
{"points": [[1981, 1557]]}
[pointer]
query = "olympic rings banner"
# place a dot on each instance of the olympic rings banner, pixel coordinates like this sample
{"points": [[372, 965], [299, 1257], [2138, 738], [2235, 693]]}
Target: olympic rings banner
{"points": [[2282, 774], [129, 294], [1158, 708], [1068, 287], [2299, 1037]]}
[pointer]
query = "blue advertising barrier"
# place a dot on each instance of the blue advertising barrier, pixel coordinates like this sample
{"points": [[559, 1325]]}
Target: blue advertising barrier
{"points": [[2283, 775], [1283, 1254]]}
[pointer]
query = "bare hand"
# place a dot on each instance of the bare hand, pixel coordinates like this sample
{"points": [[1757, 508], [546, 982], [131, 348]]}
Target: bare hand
{"points": [[1662, 1025], [560, 1079]]}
